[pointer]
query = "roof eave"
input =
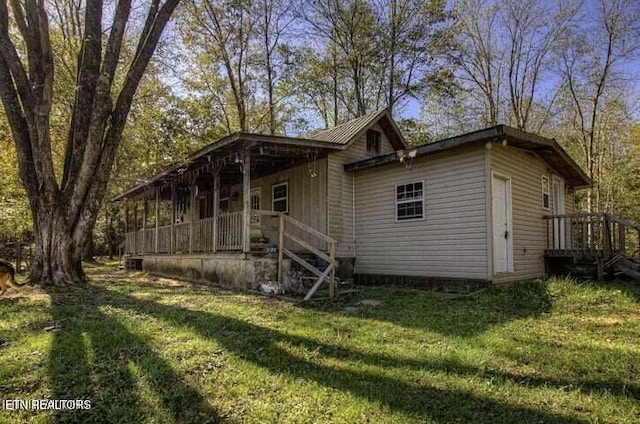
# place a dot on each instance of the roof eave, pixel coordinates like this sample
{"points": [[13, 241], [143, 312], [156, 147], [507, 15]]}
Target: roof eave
{"points": [[225, 141]]}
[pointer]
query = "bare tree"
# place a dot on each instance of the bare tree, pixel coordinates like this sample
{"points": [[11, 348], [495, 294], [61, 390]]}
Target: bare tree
{"points": [[591, 61], [65, 209], [480, 60], [230, 26]]}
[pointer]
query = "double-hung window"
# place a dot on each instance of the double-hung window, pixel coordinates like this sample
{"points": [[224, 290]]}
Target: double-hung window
{"points": [[410, 201], [280, 196], [546, 193]]}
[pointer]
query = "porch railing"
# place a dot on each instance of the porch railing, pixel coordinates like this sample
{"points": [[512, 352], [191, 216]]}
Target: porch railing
{"points": [[230, 231], [187, 238], [226, 233], [592, 234]]}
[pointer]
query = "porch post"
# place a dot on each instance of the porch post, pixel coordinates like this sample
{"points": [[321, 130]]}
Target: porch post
{"points": [[192, 213], [172, 247], [216, 207], [157, 219], [246, 201], [135, 226], [144, 225], [126, 226]]}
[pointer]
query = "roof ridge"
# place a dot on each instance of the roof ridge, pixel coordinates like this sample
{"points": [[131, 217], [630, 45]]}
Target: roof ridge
{"points": [[351, 121]]}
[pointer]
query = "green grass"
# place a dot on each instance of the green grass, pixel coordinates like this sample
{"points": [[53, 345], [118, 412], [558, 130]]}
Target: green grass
{"points": [[155, 350]]}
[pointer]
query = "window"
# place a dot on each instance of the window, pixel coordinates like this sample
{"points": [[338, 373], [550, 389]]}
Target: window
{"points": [[224, 205], [409, 201], [256, 194], [373, 142], [280, 196], [546, 193]]}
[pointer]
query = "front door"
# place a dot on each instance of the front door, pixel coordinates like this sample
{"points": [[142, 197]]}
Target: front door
{"points": [[501, 203], [557, 187]]}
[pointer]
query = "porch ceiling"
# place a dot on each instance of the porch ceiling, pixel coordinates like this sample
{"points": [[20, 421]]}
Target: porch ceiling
{"points": [[269, 154]]}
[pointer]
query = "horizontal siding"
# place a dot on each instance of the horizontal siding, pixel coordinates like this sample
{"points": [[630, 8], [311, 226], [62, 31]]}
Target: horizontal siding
{"points": [[307, 199], [449, 243], [529, 237], [340, 191]]}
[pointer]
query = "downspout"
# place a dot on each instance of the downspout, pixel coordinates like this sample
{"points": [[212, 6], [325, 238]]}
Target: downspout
{"points": [[353, 217]]}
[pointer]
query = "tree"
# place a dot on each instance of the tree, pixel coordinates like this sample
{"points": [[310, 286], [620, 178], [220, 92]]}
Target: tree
{"points": [[591, 61], [64, 208], [229, 25], [504, 53]]}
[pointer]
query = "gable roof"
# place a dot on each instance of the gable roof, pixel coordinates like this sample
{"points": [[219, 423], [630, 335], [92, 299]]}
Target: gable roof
{"points": [[345, 134], [548, 149]]}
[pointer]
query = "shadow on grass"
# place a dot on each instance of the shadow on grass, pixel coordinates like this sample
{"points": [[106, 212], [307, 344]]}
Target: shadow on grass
{"points": [[460, 316], [107, 380], [263, 347]]}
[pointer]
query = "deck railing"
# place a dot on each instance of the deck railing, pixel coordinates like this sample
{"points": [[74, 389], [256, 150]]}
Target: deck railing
{"points": [[164, 239], [230, 231], [203, 231], [592, 234], [181, 234], [226, 233]]}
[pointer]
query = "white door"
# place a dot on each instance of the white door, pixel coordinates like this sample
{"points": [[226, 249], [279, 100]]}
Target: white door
{"points": [[557, 188], [501, 203]]}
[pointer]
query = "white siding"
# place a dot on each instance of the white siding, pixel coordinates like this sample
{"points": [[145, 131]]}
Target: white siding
{"points": [[340, 191], [307, 198], [451, 240], [529, 229]]}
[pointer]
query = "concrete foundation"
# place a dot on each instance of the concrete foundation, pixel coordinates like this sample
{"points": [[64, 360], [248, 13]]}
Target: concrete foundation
{"points": [[232, 270]]}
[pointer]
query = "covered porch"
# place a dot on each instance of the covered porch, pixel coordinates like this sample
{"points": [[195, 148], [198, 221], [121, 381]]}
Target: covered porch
{"points": [[233, 199]]}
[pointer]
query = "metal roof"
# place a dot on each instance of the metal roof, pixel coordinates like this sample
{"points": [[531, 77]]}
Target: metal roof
{"points": [[343, 134]]}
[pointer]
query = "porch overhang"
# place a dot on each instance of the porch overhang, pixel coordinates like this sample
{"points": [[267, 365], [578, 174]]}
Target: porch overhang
{"points": [[268, 153]]}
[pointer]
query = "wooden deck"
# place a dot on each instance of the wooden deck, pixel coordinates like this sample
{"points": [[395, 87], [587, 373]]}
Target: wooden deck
{"points": [[598, 238]]}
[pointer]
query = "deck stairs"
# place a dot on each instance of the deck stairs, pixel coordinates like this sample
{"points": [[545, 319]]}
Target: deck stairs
{"points": [[319, 263], [628, 266]]}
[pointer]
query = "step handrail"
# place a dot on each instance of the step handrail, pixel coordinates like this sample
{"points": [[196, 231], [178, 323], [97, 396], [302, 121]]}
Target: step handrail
{"points": [[328, 274]]}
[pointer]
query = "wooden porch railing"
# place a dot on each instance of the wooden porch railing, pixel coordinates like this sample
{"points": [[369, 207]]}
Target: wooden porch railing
{"points": [[199, 237], [230, 231], [203, 231], [592, 234]]}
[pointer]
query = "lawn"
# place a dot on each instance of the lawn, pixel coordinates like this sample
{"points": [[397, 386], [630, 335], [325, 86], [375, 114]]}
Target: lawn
{"points": [[144, 349]]}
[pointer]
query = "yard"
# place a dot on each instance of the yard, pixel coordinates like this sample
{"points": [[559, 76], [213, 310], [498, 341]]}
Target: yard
{"points": [[144, 349]]}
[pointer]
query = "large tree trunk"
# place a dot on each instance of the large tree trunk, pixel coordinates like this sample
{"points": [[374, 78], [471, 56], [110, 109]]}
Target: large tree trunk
{"points": [[57, 257], [64, 213]]}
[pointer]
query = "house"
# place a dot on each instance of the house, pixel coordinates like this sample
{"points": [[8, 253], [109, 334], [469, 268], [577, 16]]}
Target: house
{"points": [[355, 200]]}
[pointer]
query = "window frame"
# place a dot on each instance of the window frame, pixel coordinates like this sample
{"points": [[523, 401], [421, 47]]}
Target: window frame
{"points": [[546, 178], [378, 142], [399, 202], [279, 199], [255, 217]]}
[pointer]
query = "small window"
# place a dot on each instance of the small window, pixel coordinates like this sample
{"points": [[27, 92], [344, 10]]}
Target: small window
{"points": [[280, 196], [224, 205], [546, 193], [409, 201], [373, 142]]}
